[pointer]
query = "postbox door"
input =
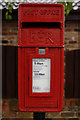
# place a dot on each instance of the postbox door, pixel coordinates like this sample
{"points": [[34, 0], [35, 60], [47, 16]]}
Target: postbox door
{"points": [[42, 98]]}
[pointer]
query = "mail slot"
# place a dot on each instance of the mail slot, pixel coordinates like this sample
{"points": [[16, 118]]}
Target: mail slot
{"points": [[40, 57]]}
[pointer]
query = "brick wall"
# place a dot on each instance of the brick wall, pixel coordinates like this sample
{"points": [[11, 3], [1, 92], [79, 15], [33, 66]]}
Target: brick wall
{"points": [[71, 110], [71, 46], [72, 35], [10, 32], [72, 41]]}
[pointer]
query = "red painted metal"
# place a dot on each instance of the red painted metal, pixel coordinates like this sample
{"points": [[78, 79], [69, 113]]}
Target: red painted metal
{"points": [[40, 26]]}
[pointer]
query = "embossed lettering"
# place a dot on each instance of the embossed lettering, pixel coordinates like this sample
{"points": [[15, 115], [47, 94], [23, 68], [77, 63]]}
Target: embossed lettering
{"points": [[42, 36], [42, 12]]}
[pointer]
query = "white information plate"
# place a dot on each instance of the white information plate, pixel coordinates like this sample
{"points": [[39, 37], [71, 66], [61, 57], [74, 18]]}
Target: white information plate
{"points": [[41, 75]]}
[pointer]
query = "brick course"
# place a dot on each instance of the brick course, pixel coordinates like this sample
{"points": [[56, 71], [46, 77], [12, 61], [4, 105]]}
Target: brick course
{"points": [[68, 110]]}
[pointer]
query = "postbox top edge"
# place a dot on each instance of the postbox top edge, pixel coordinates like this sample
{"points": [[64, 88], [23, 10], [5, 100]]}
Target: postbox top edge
{"points": [[41, 4], [22, 9]]}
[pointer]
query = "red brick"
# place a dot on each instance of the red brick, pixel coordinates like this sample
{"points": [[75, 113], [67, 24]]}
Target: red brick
{"points": [[13, 105], [68, 30], [67, 114], [72, 42], [28, 114], [27, 119], [65, 69], [14, 108], [0, 108], [4, 33], [78, 114], [10, 37], [25, 114], [64, 52], [5, 108], [52, 114], [4, 29], [71, 24], [13, 33], [9, 114], [6, 102], [13, 102], [78, 102], [73, 102], [20, 114], [15, 119], [56, 119], [13, 25], [72, 119], [3, 38]]}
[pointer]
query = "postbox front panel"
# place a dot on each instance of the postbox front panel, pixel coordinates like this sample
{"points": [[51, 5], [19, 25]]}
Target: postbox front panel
{"points": [[41, 57], [41, 100], [41, 36]]}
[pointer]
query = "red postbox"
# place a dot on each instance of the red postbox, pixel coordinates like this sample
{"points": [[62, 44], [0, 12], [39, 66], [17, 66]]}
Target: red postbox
{"points": [[41, 57]]}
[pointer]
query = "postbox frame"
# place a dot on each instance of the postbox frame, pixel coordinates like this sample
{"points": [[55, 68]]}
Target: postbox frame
{"points": [[21, 57]]}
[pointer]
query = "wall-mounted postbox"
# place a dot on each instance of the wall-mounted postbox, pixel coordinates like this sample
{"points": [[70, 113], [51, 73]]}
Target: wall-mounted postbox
{"points": [[41, 57]]}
